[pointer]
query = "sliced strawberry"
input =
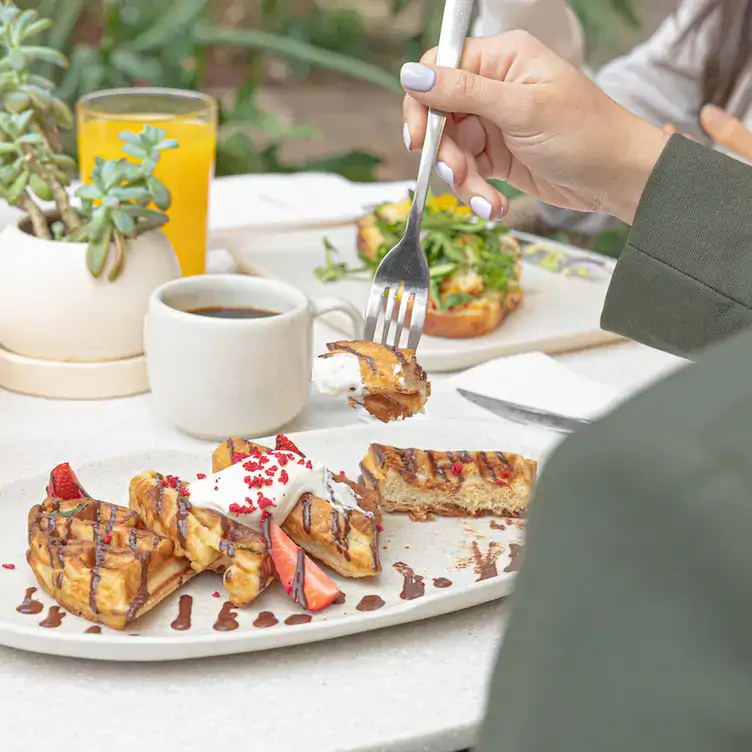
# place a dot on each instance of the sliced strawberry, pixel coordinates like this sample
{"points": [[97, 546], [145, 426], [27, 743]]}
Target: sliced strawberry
{"points": [[318, 590], [285, 445], [65, 485]]}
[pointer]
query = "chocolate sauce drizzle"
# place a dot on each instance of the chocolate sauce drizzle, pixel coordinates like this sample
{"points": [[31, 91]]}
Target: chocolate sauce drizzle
{"points": [[370, 603], [340, 599], [485, 564], [183, 621], [515, 555], [346, 348], [94, 629], [53, 619], [413, 586], [496, 525], [441, 582], [305, 500], [227, 619], [28, 605], [340, 532], [298, 619], [298, 580], [265, 619]]}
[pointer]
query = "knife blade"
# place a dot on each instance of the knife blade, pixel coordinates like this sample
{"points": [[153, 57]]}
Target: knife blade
{"points": [[523, 414]]}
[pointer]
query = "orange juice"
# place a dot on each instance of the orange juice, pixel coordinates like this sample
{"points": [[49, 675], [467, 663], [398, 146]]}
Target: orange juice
{"points": [[186, 171]]}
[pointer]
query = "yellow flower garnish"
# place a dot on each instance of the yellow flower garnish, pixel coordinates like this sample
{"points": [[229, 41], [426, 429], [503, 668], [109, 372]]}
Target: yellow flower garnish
{"points": [[447, 203]]}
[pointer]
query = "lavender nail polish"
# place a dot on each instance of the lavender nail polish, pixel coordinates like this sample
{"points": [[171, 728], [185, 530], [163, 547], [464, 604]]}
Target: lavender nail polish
{"points": [[417, 77], [445, 172], [406, 136], [481, 207]]}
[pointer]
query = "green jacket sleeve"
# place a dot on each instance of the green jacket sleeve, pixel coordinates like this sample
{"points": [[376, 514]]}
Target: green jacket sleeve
{"points": [[631, 619], [684, 279]]}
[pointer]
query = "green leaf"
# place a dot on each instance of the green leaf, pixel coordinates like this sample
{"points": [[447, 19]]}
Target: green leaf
{"points": [[181, 16], [292, 49], [135, 151], [110, 202], [130, 193], [45, 54], [161, 195], [440, 271], [40, 188], [33, 139], [168, 143], [124, 223], [61, 112], [16, 101], [130, 138], [8, 148], [110, 172], [97, 252], [66, 163], [457, 299], [17, 188], [89, 192], [38, 26], [71, 512], [136, 66]]}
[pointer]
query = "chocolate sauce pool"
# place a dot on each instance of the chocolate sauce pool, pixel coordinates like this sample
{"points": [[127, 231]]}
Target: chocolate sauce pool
{"points": [[28, 605], [183, 620]]}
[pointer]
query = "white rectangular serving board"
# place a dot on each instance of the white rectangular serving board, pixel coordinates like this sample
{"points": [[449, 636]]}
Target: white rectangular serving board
{"points": [[559, 313], [445, 547]]}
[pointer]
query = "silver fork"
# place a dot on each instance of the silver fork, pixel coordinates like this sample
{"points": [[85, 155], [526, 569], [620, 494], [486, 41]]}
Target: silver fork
{"points": [[403, 273]]}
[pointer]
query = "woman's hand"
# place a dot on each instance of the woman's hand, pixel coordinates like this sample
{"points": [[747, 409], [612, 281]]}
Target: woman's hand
{"points": [[518, 112], [727, 131]]}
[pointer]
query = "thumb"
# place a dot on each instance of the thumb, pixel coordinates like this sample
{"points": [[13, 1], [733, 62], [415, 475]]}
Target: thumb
{"points": [[451, 89], [727, 131]]}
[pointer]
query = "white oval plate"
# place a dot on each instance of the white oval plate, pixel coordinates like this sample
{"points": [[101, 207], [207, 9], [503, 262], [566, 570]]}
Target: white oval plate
{"points": [[446, 547]]}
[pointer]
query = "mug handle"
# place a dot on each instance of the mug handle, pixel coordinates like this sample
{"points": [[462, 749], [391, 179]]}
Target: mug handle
{"points": [[330, 305]]}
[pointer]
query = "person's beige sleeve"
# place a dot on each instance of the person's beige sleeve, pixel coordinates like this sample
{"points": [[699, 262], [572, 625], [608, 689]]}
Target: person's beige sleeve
{"points": [[551, 21]]}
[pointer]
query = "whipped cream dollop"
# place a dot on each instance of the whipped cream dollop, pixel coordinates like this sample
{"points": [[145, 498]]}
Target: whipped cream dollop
{"points": [[339, 375], [269, 484]]}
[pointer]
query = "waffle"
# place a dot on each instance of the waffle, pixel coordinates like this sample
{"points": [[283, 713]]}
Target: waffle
{"points": [[208, 539], [450, 484], [394, 385], [347, 541], [100, 561]]}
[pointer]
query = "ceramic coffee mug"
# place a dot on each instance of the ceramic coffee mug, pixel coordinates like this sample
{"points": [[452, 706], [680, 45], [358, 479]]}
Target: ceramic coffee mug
{"points": [[214, 376]]}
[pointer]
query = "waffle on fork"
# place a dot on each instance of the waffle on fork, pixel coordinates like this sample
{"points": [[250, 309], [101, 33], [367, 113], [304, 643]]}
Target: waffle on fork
{"points": [[99, 561], [348, 542], [208, 539]]}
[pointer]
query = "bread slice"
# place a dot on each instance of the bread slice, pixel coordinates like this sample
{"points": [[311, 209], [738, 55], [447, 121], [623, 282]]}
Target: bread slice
{"points": [[390, 383], [475, 319], [451, 484]]}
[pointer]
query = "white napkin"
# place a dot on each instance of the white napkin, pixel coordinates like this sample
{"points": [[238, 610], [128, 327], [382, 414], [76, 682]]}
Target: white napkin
{"points": [[538, 381]]}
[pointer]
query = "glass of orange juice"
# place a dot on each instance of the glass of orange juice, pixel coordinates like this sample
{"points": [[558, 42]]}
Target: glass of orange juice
{"points": [[187, 116]]}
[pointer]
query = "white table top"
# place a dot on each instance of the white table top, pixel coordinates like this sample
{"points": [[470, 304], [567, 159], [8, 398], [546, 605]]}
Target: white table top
{"points": [[417, 687]]}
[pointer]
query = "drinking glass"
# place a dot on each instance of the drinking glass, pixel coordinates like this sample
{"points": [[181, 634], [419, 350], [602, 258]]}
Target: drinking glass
{"points": [[187, 116]]}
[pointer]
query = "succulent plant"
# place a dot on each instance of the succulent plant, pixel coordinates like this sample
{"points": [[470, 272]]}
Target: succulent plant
{"points": [[124, 199]]}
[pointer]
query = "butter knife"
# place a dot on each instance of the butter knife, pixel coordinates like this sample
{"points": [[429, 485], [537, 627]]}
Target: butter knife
{"points": [[523, 414]]}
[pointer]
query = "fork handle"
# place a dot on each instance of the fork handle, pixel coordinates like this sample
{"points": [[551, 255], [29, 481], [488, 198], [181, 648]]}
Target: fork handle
{"points": [[454, 26]]}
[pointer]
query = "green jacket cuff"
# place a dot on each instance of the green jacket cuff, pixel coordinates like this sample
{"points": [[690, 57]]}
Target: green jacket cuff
{"points": [[684, 279]]}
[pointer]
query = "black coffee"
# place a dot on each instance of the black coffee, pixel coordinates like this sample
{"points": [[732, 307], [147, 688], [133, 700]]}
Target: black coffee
{"points": [[220, 312]]}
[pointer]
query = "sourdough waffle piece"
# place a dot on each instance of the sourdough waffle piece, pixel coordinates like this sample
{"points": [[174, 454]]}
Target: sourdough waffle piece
{"points": [[344, 539], [99, 561], [387, 381], [208, 539], [451, 484]]}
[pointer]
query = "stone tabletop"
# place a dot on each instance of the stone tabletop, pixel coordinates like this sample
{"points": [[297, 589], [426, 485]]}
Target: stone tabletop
{"points": [[409, 688]]}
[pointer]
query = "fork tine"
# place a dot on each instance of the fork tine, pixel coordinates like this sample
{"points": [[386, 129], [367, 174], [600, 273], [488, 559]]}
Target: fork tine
{"points": [[417, 320], [389, 313], [372, 313], [407, 296]]}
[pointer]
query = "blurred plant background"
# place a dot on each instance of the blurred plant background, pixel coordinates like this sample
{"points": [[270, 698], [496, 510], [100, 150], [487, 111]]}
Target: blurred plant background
{"points": [[304, 85]]}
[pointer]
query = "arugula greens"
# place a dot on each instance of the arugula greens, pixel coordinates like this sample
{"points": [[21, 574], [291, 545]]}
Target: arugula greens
{"points": [[455, 242]]}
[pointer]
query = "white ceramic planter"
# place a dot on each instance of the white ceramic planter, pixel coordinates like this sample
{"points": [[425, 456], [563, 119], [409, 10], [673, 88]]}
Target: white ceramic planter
{"points": [[51, 308]]}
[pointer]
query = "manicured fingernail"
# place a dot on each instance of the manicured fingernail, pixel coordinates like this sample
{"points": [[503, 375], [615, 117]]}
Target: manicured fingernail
{"points": [[406, 136], [501, 213], [481, 207], [713, 114], [445, 172], [417, 77]]}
